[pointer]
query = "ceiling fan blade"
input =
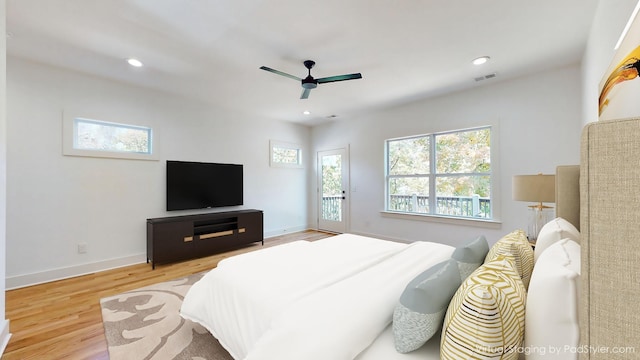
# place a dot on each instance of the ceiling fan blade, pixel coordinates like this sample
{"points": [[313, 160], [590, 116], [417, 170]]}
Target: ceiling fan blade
{"points": [[280, 73], [339, 78], [305, 94]]}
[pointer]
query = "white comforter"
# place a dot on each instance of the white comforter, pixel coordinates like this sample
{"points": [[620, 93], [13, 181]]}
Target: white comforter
{"points": [[327, 299]]}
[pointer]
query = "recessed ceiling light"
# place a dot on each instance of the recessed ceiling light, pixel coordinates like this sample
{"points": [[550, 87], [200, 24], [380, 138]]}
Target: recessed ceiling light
{"points": [[134, 62], [481, 60], [306, 112]]}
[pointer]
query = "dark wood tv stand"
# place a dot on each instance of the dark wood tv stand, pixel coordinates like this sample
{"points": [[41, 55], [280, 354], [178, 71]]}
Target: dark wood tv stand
{"points": [[176, 238]]}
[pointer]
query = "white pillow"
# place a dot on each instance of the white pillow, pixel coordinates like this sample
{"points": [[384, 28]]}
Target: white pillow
{"points": [[551, 319], [552, 232]]}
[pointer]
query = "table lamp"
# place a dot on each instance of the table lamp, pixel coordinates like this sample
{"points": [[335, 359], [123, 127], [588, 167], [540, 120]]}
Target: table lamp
{"points": [[539, 189]]}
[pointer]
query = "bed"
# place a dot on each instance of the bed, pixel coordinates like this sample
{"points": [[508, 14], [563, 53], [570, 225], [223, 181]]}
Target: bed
{"points": [[261, 299], [343, 305]]}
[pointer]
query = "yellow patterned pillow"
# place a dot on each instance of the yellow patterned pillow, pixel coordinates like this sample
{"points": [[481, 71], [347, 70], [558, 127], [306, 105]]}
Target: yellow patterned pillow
{"points": [[485, 319], [516, 246]]}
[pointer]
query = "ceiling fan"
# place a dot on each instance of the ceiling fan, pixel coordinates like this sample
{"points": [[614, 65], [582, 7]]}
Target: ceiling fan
{"points": [[309, 82]]}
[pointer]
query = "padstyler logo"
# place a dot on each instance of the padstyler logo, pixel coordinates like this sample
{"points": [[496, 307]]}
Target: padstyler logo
{"points": [[557, 350]]}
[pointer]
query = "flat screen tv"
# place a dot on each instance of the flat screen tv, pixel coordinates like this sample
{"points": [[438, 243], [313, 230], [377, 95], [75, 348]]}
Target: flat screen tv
{"points": [[198, 185]]}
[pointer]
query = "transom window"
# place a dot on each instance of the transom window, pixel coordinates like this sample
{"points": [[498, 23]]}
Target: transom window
{"points": [[106, 136], [446, 174], [284, 154], [97, 138]]}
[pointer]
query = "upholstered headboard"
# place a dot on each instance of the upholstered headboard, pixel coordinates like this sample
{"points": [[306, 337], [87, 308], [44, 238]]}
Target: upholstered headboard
{"points": [[568, 193], [610, 258]]}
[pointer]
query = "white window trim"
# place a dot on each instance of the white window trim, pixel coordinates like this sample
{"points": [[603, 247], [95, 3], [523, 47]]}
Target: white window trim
{"points": [[444, 219], [494, 223], [285, 145], [68, 138]]}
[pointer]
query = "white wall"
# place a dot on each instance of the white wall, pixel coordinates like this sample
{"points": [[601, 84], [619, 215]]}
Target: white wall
{"points": [[539, 123], [55, 201], [4, 324], [608, 23]]}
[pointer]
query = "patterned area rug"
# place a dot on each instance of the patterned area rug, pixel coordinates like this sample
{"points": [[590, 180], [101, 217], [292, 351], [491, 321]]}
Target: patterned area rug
{"points": [[146, 324]]}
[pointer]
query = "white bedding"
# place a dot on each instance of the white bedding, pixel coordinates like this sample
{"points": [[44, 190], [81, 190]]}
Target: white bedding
{"points": [[327, 299], [383, 348]]}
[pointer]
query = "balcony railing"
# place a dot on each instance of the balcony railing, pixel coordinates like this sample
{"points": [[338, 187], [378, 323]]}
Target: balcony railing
{"points": [[332, 207], [463, 206]]}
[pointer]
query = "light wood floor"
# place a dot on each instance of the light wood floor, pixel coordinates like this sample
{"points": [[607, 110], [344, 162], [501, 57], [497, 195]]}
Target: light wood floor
{"points": [[63, 320]]}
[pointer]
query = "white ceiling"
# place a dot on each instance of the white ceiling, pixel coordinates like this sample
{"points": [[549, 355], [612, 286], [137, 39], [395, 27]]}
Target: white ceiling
{"points": [[212, 49]]}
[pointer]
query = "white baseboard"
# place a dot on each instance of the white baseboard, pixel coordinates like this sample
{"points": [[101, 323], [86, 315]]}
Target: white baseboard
{"points": [[291, 230], [5, 335], [18, 281]]}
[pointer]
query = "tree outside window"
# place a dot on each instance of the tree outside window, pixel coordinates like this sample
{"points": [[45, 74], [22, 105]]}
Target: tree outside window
{"points": [[445, 174]]}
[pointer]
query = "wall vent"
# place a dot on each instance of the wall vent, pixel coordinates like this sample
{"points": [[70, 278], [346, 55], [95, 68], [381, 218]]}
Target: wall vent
{"points": [[485, 77]]}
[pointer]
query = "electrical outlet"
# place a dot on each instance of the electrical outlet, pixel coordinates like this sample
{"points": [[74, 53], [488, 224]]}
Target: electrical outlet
{"points": [[82, 248]]}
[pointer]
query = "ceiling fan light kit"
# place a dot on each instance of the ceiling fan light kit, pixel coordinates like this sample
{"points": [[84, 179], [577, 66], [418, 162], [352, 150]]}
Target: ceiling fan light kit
{"points": [[309, 83]]}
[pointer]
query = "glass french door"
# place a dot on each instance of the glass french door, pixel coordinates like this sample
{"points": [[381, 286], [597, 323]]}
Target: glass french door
{"points": [[333, 190]]}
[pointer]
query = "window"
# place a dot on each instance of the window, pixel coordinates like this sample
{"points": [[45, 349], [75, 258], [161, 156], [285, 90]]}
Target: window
{"points": [[445, 174], [103, 136], [96, 138], [285, 154]]}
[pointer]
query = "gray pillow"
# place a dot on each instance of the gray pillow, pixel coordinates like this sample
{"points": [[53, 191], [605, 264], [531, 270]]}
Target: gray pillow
{"points": [[420, 312], [471, 255]]}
